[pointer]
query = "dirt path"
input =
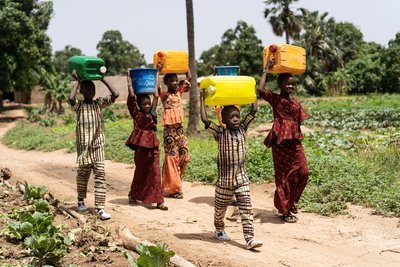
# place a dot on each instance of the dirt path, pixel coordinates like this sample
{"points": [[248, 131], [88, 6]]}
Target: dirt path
{"points": [[356, 239]]}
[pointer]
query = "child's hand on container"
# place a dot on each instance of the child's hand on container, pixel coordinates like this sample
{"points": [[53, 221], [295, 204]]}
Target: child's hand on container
{"points": [[214, 67], [185, 85], [270, 63], [75, 75], [128, 78], [202, 93], [159, 66]]}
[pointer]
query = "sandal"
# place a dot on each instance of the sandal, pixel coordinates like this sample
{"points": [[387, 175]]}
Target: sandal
{"points": [[294, 210], [177, 195], [289, 218], [132, 200], [161, 206]]}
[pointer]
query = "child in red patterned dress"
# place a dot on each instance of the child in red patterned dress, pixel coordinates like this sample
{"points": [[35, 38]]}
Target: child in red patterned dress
{"points": [[146, 183], [290, 164]]}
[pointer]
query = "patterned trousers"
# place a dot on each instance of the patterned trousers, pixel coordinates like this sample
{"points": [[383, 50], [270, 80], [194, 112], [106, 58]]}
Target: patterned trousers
{"points": [[82, 179], [223, 197]]}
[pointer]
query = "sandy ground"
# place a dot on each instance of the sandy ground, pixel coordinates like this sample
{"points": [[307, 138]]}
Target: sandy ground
{"points": [[356, 239]]}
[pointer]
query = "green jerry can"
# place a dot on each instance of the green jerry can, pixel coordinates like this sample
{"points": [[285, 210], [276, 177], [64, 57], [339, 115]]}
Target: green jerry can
{"points": [[87, 68]]}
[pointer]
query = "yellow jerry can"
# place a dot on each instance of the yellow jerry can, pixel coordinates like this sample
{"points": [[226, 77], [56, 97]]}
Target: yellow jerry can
{"points": [[174, 61], [288, 58], [228, 90]]}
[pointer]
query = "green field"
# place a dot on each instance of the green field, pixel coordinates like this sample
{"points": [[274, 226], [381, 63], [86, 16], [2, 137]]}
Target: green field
{"points": [[353, 153]]}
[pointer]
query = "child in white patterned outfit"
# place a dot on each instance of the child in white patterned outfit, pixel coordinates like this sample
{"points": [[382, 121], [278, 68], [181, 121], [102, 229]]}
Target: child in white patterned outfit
{"points": [[90, 141]]}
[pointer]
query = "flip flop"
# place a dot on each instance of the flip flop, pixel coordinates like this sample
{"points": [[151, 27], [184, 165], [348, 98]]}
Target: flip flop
{"points": [[294, 210], [177, 195], [161, 206], [289, 218]]}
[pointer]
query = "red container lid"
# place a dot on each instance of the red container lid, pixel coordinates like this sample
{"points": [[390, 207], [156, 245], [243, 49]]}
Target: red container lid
{"points": [[273, 48]]}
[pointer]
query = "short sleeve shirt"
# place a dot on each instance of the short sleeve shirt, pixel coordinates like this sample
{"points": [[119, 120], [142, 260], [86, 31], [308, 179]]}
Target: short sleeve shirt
{"points": [[90, 130], [231, 153]]}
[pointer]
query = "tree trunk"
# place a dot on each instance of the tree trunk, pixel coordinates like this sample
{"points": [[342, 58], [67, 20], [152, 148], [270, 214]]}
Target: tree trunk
{"points": [[287, 37], [193, 125]]}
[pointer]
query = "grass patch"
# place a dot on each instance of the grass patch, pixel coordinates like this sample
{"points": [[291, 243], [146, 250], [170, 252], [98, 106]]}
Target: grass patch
{"points": [[33, 137]]}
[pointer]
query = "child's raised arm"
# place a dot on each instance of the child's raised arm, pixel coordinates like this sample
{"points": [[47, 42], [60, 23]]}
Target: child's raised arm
{"points": [[114, 92], [155, 100], [72, 95], [188, 75], [203, 112], [214, 70], [129, 82], [263, 77], [254, 107]]}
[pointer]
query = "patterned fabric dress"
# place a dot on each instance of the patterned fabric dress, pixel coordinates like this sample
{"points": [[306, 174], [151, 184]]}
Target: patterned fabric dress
{"points": [[232, 177], [90, 147], [290, 164], [175, 142], [146, 182]]}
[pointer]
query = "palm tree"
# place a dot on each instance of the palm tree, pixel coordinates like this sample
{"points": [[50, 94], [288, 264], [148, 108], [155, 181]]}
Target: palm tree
{"points": [[193, 125], [282, 18], [319, 40]]}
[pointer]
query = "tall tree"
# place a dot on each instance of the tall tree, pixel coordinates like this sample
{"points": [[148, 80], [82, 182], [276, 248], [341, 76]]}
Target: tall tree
{"points": [[282, 19], [61, 57], [366, 71], [119, 54], [330, 46], [239, 46], [193, 126], [24, 44], [320, 50], [391, 58]]}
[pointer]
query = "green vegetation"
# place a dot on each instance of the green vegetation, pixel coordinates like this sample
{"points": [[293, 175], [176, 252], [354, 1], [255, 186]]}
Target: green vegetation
{"points": [[357, 166], [36, 230]]}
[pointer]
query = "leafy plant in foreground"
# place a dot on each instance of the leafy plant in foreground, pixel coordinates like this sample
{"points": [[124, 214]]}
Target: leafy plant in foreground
{"points": [[150, 256], [33, 192], [154, 256], [42, 239]]}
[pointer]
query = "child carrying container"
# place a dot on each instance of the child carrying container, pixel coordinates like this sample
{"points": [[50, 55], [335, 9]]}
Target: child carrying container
{"points": [[90, 141], [232, 178], [290, 164], [175, 140], [146, 182]]}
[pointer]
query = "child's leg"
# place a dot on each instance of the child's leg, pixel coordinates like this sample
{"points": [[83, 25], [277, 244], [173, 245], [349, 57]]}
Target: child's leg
{"points": [[171, 175], [302, 172], [172, 182], [243, 199], [82, 179], [182, 146], [222, 198], [99, 185]]}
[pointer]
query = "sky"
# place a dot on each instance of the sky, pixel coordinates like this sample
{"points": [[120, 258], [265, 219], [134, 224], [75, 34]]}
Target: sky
{"points": [[153, 25]]}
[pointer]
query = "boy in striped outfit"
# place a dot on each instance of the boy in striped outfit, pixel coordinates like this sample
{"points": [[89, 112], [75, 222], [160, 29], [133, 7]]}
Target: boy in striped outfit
{"points": [[232, 177], [90, 141]]}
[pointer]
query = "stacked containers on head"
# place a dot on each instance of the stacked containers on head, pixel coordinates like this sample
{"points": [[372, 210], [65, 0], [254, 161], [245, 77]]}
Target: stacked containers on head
{"points": [[227, 88], [227, 70]]}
